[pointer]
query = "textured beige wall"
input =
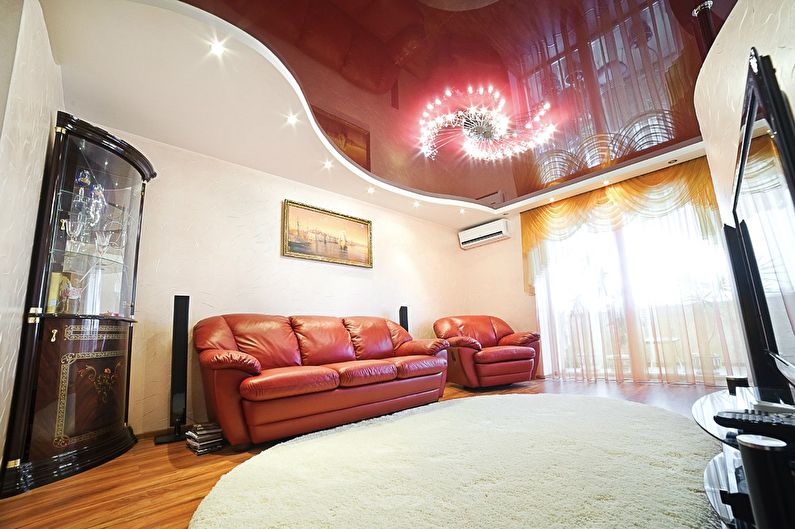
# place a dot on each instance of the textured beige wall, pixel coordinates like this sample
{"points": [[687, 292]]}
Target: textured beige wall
{"points": [[495, 281], [768, 25], [10, 15], [35, 93], [211, 230]]}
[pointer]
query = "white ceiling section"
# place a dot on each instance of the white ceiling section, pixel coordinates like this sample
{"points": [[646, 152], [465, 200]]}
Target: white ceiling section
{"points": [[144, 66]]}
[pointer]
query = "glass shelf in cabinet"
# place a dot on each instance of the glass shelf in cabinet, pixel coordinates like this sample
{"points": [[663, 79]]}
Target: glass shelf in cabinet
{"points": [[110, 316], [66, 198], [89, 260], [134, 176], [111, 254]]}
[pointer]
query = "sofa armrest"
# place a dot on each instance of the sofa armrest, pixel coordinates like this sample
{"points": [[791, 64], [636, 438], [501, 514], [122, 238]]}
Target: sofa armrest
{"points": [[422, 347], [224, 359], [223, 371], [465, 341], [524, 339]]}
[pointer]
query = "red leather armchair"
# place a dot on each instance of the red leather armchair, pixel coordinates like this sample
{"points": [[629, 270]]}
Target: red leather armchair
{"points": [[484, 351], [269, 377]]}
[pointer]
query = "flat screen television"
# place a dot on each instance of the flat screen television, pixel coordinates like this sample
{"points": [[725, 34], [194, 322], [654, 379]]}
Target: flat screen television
{"points": [[762, 242]]}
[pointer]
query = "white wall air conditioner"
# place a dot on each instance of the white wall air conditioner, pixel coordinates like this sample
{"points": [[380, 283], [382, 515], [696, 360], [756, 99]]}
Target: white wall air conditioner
{"points": [[485, 233]]}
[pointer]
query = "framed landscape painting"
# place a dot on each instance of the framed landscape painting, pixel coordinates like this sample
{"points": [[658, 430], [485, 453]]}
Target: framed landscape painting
{"points": [[352, 140], [321, 235]]}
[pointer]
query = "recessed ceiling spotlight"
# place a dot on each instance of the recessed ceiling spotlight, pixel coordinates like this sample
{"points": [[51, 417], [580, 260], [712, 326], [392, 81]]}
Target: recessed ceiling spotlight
{"points": [[416, 203], [371, 190], [292, 119], [671, 162], [217, 48], [462, 211], [551, 199], [328, 164], [606, 182]]}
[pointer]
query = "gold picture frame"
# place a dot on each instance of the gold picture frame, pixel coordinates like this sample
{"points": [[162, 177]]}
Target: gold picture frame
{"points": [[318, 234]]}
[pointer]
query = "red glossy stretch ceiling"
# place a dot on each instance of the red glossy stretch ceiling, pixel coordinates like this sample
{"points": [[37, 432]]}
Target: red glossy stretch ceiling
{"points": [[617, 75]]}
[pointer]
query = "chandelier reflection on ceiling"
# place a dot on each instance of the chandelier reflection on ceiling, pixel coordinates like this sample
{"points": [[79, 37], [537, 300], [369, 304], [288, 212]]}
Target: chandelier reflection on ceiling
{"points": [[476, 120]]}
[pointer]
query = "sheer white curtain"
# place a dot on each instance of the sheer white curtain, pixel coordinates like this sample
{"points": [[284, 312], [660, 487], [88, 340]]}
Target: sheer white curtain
{"points": [[647, 297]]}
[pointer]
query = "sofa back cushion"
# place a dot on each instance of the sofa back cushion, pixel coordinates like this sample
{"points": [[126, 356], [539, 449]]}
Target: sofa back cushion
{"points": [[269, 339], [213, 333], [322, 340], [485, 329], [501, 328], [370, 337], [398, 334]]}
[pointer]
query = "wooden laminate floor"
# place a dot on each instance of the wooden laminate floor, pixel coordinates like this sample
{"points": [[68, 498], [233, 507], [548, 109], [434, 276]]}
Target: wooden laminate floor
{"points": [[160, 486]]}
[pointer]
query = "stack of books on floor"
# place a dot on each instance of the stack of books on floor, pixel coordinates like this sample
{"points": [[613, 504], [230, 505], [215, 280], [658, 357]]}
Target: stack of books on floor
{"points": [[204, 437]]}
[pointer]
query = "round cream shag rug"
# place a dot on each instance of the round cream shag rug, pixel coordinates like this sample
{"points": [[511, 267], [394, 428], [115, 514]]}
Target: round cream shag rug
{"points": [[508, 461]]}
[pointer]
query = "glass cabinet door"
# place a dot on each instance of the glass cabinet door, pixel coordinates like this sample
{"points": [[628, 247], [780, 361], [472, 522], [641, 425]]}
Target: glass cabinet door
{"points": [[93, 250]]}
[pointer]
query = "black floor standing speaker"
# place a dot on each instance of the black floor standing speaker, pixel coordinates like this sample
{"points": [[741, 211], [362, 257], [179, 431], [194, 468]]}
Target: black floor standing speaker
{"points": [[404, 317], [179, 371]]}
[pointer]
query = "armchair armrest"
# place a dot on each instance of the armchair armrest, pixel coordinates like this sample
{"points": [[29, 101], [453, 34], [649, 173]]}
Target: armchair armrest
{"points": [[520, 338], [422, 347], [224, 359], [465, 341]]}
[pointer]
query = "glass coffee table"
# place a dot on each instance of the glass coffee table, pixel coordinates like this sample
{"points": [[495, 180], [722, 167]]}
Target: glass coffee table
{"points": [[724, 478]]}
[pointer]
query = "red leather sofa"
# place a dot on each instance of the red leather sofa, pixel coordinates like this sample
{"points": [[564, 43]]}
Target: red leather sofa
{"points": [[270, 377], [484, 351]]}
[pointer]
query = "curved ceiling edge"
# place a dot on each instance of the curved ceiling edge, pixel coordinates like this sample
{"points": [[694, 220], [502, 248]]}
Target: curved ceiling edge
{"points": [[486, 105], [259, 47]]}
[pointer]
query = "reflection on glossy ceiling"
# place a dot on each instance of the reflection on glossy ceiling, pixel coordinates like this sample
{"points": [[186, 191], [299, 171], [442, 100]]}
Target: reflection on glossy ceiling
{"points": [[488, 100]]}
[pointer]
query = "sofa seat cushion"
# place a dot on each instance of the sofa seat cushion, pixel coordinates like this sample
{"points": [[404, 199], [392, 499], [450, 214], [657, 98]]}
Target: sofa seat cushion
{"points": [[288, 382], [503, 353], [313, 404], [418, 365], [361, 372], [504, 368]]}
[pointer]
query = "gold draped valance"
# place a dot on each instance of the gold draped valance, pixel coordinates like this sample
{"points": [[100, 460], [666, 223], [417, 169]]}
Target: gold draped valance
{"points": [[611, 207], [632, 281]]}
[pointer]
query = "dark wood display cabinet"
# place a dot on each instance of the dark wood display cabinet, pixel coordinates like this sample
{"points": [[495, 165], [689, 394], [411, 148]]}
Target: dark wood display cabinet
{"points": [[69, 410]]}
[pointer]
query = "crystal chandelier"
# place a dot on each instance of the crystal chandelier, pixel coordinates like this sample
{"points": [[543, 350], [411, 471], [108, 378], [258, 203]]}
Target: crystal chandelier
{"points": [[475, 119]]}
